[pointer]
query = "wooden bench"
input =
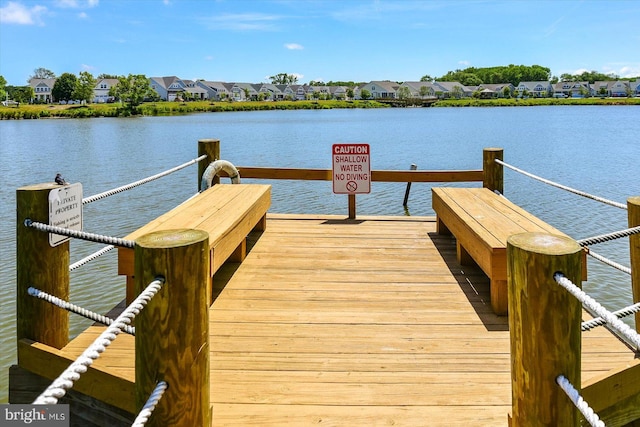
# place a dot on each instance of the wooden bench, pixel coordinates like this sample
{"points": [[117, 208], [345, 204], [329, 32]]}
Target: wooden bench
{"points": [[481, 221], [228, 212]]}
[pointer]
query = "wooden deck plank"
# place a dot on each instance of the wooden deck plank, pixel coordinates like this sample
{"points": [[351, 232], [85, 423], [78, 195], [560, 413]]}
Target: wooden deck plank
{"points": [[368, 322]]}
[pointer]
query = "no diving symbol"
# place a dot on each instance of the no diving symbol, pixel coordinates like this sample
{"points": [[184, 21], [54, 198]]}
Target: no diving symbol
{"points": [[352, 186]]}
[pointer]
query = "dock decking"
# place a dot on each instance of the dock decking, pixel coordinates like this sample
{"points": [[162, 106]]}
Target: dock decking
{"points": [[356, 322]]}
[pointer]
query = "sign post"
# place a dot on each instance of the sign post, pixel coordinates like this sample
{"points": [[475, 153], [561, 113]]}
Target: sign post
{"points": [[351, 171]]}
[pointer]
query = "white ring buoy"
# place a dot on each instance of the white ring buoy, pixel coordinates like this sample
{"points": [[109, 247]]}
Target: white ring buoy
{"points": [[214, 169]]}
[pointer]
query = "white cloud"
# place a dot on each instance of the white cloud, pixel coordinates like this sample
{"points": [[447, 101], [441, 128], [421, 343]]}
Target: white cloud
{"points": [[464, 62], [83, 15], [76, 3], [16, 13], [294, 46], [208, 58], [243, 22], [85, 67]]}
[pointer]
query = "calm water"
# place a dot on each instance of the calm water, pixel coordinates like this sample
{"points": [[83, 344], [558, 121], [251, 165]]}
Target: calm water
{"points": [[595, 149]]}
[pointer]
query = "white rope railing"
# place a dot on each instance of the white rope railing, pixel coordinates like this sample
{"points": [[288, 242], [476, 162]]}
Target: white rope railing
{"points": [[584, 408], [65, 381], [90, 258], [150, 405], [631, 336], [609, 262], [66, 305], [108, 193], [599, 321], [609, 236], [91, 237], [563, 187]]}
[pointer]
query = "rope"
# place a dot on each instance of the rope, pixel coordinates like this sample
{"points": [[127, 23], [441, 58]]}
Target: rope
{"points": [[91, 237], [64, 382], [599, 321], [150, 405], [108, 193], [611, 236], [76, 309], [631, 336], [610, 263], [573, 394], [564, 187], [91, 257]]}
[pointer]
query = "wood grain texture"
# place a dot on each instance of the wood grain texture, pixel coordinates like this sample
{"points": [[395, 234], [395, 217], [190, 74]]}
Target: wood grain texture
{"points": [[41, 266], [172, 331], [633, 206], [544, 320]]}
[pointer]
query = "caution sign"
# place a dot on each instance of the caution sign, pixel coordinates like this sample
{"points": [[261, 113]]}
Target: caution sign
{"points": [[351, 169]]}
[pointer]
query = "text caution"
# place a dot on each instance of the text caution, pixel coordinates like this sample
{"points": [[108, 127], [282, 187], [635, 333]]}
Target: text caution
{"points": [[351, 169]]}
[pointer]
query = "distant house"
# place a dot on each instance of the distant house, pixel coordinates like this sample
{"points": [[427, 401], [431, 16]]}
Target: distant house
{"points": [[601, 88], [620, 88], [102, 88], [216, 90], [271, 92], [42, 89], [452, 90], [245, 91], [420, 89], [495, 90], [634, 85], [572, 89], [381, 89], [539, 89], [168, 88]]}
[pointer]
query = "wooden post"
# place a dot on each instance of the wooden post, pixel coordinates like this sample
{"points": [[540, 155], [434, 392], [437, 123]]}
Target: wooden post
{"points": [[352, 206], [210, 147], [544, 324], [493, 172], [41, 266], [172, 332], [633, 206]]}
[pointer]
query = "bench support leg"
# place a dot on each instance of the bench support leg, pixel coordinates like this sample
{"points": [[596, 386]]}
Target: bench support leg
{"points": [[499, 297], [463, 256], [240, 253], [261, 225], [441, 228]]}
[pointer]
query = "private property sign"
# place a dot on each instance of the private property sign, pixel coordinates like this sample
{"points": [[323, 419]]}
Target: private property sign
{"points": [[351, 169]]}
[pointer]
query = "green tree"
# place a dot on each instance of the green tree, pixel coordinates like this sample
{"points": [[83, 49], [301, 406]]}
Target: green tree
{"points": [[350, 93], [64, 87], [506, 92], [426, 78], [21, 93], [365, 94], [283, 79], [424, 91], [457, 92], [133, 90], [3, 88], [107, 76], [404, 93], [84, 87], [42, 73]]}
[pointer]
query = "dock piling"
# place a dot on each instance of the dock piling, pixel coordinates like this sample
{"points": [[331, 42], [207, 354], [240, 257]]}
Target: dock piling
{"points": [[633, 208], [172, 332], [544, 324], [40, 265], [210, 147], [493, 172], [406, 192]]}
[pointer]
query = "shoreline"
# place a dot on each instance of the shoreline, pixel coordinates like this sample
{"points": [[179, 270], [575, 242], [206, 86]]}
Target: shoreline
{"points": [[44, 111]]}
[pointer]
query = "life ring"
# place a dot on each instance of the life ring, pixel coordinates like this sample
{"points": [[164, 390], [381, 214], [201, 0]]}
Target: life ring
{"points": [[214, 169]]}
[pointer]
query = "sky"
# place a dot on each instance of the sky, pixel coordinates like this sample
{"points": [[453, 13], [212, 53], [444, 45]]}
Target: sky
{"points": [[316, 40]]}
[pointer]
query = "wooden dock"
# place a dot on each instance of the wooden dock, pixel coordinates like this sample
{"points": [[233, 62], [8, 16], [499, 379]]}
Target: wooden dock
{"points": [[337, 322]]}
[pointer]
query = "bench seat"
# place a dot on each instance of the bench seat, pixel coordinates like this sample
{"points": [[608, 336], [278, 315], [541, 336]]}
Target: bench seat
{"points": [[481, 221], [228, 212]]}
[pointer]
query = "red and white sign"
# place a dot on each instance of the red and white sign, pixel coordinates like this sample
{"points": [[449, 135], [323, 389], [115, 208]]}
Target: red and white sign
{"points": [[351, 168]]}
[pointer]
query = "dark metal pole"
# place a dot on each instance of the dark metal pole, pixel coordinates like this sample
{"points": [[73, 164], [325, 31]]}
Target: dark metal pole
{"points": [[406, 192]]}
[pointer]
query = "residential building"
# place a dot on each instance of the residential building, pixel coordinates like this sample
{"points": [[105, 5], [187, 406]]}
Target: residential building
{"points": [[101, 90], [420, 89], [451, 90], [42, 89], [168, 88], [541, 89], [495, 90], [216, 90], [572, 89], [381, 89]]}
